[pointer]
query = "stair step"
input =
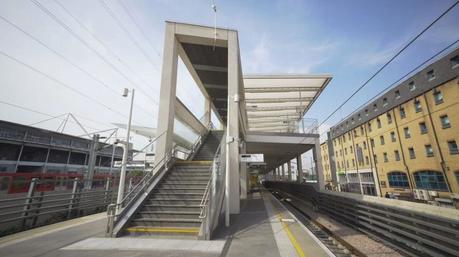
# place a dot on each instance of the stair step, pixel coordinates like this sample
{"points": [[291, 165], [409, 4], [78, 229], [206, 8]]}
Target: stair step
{"points": [[174, 201], [178, 214], [191, 183], [171, 212], [182, 189], [163, 230], [167, 222], [176, 196], [172, 207]]}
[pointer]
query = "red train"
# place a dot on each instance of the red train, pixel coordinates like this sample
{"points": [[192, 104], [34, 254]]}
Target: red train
{"points": [[12, 183]]}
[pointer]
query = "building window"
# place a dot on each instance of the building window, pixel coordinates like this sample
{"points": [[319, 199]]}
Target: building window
{"points": [[454, 61], [406, 130], [360, 118], [430, 180], [384, 100], [392, 136], [378, 122], [429, 150], [417, 105], [350, 148], [398, 179], [372, 142], [361, 130], [385, 157], [367, 160], [452, 146], [366, 112], [347, 163], [397, 155], [397, 94], [381, 138], [423, 127], [445, 122], [353, 163], [412, 86], [364, 145], [369, 126], [412, 153], [402, 112], [375, 158], [345, 151], [389, 118], [375, 107], [430, 75], [438, 97]]}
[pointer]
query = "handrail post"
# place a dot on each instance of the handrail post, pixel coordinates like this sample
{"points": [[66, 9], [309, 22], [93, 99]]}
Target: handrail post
{"points": [[106, 193], [110, 220], [72, 198], [29, 200], [37, 211]]}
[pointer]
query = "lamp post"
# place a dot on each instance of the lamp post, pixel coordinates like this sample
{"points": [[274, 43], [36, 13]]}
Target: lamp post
{"points": [[125, 154]]}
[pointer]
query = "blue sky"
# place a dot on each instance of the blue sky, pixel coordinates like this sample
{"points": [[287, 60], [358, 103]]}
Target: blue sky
{"points": [[347, 39]]}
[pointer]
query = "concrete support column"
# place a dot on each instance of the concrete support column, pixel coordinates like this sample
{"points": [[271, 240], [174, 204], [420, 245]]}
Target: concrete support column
{"points": [[316, 155], [243, 174], [207, 113], [167, 94], [299, 167], [289, 170], [283, 172], [232, 138]]}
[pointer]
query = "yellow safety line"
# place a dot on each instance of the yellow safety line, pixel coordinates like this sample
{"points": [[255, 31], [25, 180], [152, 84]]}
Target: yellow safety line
{"points": [[164, 230], [195, 162], [290, 235]]}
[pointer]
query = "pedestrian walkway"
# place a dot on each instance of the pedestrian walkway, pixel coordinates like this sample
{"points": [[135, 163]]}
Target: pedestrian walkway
{"points": [[263, 228]]}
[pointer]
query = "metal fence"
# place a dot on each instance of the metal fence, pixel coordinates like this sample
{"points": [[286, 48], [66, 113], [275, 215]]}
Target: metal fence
{"points": [[413, 232], [41, 208]]}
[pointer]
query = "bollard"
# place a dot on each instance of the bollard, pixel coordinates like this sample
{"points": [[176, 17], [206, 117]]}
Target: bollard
{"points": [[29, 200]]}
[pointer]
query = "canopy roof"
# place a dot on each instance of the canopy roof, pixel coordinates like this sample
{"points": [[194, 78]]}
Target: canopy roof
{"points": [[276, 103]]}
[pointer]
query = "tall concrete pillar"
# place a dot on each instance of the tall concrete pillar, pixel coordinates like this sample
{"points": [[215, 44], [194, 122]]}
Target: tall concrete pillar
{"points": [[289, 170], [207, 113], [299, 167], [318, 163], [232, 137], [243, 174], [167, 94], [283, 172]]}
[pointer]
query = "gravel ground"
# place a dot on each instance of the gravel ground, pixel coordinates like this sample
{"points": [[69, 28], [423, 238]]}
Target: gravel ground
{"points": [[358, 240]]}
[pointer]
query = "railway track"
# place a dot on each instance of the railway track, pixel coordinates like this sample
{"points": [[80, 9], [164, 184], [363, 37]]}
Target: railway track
{"points": [[339, 249]]}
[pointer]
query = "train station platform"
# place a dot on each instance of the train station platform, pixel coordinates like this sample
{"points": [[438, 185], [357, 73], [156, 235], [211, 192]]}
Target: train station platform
{"points": [[263, 228]]}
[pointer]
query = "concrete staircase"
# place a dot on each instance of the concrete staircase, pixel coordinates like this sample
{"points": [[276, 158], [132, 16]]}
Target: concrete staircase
{"points": [[207, 150], [173, 208]]}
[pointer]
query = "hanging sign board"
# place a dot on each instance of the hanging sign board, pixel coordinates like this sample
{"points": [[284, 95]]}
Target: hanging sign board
{"points": [[252, 158]]}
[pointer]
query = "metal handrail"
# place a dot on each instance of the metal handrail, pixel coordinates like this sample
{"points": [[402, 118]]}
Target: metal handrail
{"points": [[205, 197], [137, 190], [208, 210]]}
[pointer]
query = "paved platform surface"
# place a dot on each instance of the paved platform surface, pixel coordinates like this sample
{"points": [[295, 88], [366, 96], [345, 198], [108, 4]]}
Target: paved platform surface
{"points": [[263, 228]]}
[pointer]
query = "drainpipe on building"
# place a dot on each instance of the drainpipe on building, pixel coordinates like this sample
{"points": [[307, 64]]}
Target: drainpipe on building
{"points": [[371, 153], [442, 163], [403, 153]]}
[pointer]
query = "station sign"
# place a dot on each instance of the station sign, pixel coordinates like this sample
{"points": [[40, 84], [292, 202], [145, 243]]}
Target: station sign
{"points": [[252, 158]]}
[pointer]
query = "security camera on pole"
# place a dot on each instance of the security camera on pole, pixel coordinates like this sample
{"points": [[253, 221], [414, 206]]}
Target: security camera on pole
{"points": [[125, 146]]}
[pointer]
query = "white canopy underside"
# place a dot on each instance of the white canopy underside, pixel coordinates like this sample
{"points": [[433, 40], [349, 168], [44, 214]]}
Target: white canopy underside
{"points": [[276, 103]]}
